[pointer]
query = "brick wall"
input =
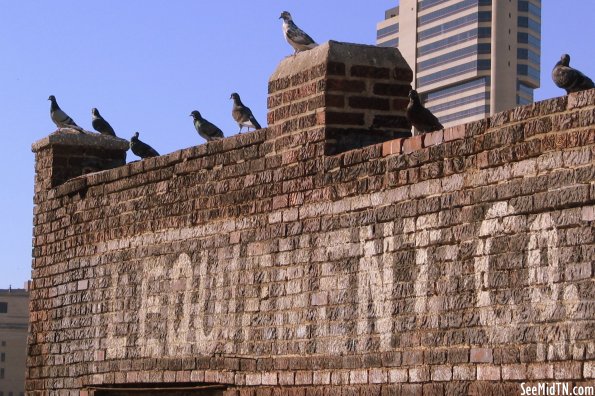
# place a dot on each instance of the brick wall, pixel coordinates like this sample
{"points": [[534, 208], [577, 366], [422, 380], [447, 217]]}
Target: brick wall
{"points": [[458, 262]]}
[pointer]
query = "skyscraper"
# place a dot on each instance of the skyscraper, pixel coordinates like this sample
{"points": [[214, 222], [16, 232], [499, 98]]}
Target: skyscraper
{"points": [[470, 58], [14, 319]]}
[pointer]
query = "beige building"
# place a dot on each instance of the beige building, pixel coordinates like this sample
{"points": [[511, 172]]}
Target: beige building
{"points": [[470, 58], [14, 319]]}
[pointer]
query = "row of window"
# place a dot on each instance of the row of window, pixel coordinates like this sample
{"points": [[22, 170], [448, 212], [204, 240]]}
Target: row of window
{"points": [[524, 53], [526, 38], [390, 43], [429, 3], [521, 100], [526, 70], [482, 16], [524, 89], [530, 23], [454, 89], [460, 102], [465, 113], [450, 10], [481, 64], [11, 393], [387, 31], [483, 48], [481, 32], [526, 6]]}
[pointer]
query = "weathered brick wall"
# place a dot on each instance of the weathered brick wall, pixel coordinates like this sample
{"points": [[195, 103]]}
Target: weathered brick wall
{"points": [[459, 262]]}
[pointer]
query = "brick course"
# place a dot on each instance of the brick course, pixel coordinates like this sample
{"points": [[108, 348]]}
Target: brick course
{"points": [[267, 263]]}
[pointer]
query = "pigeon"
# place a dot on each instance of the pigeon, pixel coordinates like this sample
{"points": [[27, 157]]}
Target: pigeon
{"points": [[295, 36], [60, 118], [242, 114], [420, 117], [101, 125], [142, 149], [206, 129], [568, 78]]}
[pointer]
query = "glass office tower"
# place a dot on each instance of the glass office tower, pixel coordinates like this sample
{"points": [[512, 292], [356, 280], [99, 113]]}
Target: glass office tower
{"points": [[470, 58]]}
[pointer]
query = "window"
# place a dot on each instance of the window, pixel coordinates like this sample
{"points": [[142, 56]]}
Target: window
{"points": [[1, 373], [465, 113], [3, 307], [429, 3], [387, 31], [444, 92], [450, 10], [524, 53], [482, 64], [525, 89], [526, 70], [526, 38], [460, 102], [447, 42], [454, 55], [390, 43], [3, 343], [483, 16], [527, 22], [2, 357], [525, 6]]}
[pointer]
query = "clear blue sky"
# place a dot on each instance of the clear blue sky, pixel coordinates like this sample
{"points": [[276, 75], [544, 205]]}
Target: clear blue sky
{"points": [[147, 64]]}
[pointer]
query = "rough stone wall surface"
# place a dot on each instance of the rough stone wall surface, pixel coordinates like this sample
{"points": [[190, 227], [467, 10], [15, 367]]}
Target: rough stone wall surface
{"points": [[457, 262]]}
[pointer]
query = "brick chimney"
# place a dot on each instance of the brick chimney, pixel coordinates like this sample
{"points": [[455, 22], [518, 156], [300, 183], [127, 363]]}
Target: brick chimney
{"points": [[358, 93], [66, 154]]}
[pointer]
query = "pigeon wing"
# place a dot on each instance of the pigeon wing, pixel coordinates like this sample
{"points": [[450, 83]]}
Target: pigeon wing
{"points": [[145, 151], [298, 36], [102, 126], [423, 119], [211, 131], [249, 117], [570, 79], [60, 118], [254, 122]]}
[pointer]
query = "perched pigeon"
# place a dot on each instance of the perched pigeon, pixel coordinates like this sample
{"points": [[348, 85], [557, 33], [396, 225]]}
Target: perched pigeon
{"points": [[206, 129], [142, 149], [242, 114], [568, 78], [60, 118], [420, 117], [295, 36], [101, 125]]}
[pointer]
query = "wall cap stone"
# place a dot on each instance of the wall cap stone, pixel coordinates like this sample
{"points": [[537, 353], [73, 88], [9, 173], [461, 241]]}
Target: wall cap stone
{"points": [[69, 137], [331, 51]]}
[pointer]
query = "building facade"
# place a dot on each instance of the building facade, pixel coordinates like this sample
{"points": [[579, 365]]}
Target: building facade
{"points": [[470, 58], [14, 318]]}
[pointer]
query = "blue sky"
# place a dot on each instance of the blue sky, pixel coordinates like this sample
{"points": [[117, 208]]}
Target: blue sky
{"points": [[147, 64]]}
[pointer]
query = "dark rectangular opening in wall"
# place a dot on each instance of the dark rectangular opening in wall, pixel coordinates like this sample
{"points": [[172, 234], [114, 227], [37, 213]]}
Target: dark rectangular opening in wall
{"points": [[159, 390]]}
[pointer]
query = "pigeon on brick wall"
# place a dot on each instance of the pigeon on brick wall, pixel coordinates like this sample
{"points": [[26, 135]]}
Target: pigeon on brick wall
{"points": [[242, 114], [568, 78], [142, 149], [207, 130], [420, 117], [295, 36], [101, 125], [60, 118]]}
